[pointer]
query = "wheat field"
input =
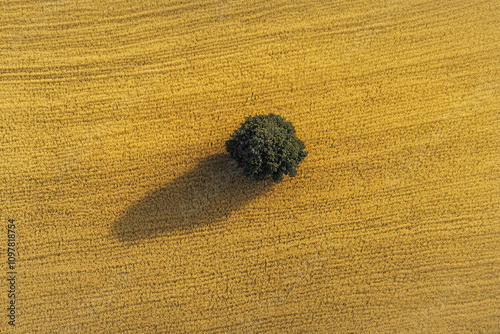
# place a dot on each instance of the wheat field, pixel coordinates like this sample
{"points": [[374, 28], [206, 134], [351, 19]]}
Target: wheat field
{"points": [[131, 218]]}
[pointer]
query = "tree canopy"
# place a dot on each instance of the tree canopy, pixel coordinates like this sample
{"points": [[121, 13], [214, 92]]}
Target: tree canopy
{"points": [[266, 145]]}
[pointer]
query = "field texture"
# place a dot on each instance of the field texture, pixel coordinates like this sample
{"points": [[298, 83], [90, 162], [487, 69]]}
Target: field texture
{"points": [[131, 218]]}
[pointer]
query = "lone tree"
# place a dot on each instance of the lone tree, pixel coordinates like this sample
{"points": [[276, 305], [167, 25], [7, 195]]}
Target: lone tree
{"points": [[266, 145]]}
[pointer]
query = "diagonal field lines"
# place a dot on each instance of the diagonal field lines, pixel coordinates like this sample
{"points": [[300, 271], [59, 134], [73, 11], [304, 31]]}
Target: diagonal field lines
{"points": [[132, 218]]}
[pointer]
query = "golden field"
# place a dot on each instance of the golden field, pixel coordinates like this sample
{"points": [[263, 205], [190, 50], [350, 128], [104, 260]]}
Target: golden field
{"points": [[131, 218]]}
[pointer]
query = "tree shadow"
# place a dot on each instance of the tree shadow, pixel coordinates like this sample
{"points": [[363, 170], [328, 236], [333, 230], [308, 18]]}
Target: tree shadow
{"points": [[208, 193]]}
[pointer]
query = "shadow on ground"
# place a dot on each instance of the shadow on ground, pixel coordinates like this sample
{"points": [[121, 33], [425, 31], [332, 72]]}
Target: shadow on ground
{"points": [[208, 193]]}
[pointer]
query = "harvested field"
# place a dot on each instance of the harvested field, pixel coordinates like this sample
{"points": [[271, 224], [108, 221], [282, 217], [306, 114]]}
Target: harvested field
{"points": [[131, 218]]}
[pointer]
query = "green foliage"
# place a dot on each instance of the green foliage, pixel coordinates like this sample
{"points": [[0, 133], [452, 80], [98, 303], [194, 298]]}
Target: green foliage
{"points": [[266, 145]]}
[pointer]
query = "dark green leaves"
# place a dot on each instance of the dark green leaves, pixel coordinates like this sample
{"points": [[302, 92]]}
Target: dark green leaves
{"points": [[266, 145]]}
